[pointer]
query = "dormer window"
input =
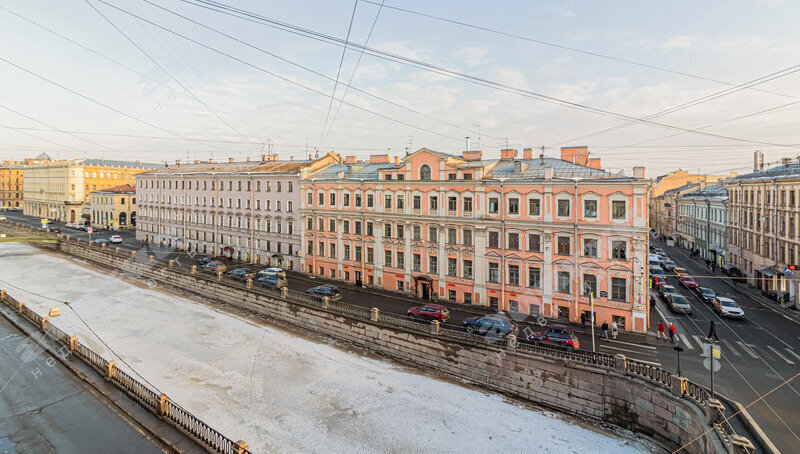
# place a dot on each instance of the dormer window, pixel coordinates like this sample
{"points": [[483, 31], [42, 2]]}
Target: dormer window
{"points": [[425, 172]]}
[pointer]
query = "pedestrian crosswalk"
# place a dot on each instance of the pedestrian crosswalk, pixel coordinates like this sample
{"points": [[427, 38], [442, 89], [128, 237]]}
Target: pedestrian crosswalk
{"points": [[779, 354], [640, 352], [743, 350]]}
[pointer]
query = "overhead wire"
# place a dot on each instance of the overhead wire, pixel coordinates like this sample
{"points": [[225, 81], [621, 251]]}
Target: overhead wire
{"points": [[338, 72]]}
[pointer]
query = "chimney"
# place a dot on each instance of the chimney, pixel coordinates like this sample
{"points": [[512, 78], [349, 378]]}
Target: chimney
{"points": [[467, 149], [310, 157], [230, 160], [527, 153], [472, 155], [340, 175], [210, 160], [508, 153], [594, 163], [575, 155], [397, 160], [379, 158], [291, 158], [786, 161], [758, 161], [177, 162], [350, 160], [197, 161], [638, 172], [248, 159], [263, 158], [548, 173]]}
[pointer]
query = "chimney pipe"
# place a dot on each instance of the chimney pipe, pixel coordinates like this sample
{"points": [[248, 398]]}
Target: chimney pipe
{"points": [[230, 160], [310, 156], [177, 162], [758, 161], [467, 149], [248, 159], [397, 160]]}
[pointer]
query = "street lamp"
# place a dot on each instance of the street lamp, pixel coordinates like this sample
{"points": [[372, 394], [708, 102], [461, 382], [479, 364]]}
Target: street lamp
{"points": [[678, 349]]}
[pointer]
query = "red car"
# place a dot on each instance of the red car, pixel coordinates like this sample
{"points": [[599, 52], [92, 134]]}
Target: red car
{"points": [[688, 282], [558, 335], [429, 312]]}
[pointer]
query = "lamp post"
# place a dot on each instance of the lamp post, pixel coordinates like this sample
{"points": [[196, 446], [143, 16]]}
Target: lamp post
{"points": [[678, 349]]}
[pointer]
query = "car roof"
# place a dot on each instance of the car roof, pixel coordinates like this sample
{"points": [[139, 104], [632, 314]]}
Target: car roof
{"points": [[679, 296], [435, 306], [725, 298]]}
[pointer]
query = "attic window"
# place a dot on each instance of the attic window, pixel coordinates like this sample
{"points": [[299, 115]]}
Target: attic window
{"points": [[387, 176], [517, 167], [425, 172]]}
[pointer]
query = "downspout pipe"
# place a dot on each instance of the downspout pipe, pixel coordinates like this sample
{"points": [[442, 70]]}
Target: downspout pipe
{"points": [[575, 291]]}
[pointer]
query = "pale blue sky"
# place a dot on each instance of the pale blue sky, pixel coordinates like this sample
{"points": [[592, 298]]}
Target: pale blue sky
{"points": [[733, 42]]}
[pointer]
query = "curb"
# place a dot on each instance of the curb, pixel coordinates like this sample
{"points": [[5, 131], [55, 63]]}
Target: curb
{"points": [[752, 426]]}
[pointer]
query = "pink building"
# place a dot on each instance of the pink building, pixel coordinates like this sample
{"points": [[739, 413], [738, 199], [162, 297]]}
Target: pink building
{"points": [[533, 235]]}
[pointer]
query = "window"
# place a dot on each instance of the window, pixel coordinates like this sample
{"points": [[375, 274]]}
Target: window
{"points": [[320, 198], [618, 289], [618, 250], [387, 202], [358, 253], [370, 200], [589, 285], [451, 176], [513, 241], [467, 298], [494, 205], [534, 242], [563, 282], [425, 172], [534, 207], [467, 269], [416, 263], [278, 186], [332, 225], [401, 202], [346, 199], [494, 240], [321, 249], [494, 272], [467, 237], [357, 227], [387, 176], [417, 233], [534, 277], [618, 209], [590, 208], [387, 258], [468, 204], [417, 202], [369, 229], [452, 203], [513, 205], [387, 230], [563, 245], [452, 266], [401, 177], [358, 201], [589, 247], [401, 231], [320, 224], [563, 208], [433, 264], [332, 248], [370, 255], [451, 295], [433, 203], [401, 260], [433, 234], [513, 274], [452, 236]]}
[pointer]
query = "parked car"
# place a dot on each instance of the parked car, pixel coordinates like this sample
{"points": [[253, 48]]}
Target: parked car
{"points": [[659, 251], [489, 326], [680, 271], [429, 312], [322, 291], [688, 282], [115, 239], [670, 266], [55, 230], [679, 303], [240, 274], [558, 335], [272, 280], [100, 241], [665, 290], [214, 266], [706, 294], [727, 307], [273, 272], [204, 260]]}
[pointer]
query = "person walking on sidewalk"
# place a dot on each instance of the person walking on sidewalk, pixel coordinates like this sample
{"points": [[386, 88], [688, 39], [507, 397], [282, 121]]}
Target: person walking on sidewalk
{"points": [[604, 327], [583, 320], [712, 331], [614, 329], [672, 332], [661, 331]]}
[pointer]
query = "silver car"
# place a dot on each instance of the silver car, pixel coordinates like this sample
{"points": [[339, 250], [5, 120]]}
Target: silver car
{"points": [[679, 303], [727, 307]]}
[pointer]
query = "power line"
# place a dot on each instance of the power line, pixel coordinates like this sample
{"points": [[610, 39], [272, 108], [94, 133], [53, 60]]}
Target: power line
{"points": [[228, 10], [563, 47], [355, 68], [338, 72]]}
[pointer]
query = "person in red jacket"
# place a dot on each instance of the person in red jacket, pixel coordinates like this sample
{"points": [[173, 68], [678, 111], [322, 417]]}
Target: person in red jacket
{"points": [[671, 332], [661, 331]]}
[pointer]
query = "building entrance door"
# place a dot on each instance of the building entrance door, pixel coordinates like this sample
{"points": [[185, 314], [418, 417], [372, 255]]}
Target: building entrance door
{"points": [[425, 290]]}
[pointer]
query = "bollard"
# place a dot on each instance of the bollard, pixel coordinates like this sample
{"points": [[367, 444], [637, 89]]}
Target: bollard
{"points": [[435, 327], [194, 269], [374, 314], [249, 282], [133, 254], [219, 276], [73, 344], [2, 295], [285, 292], [111, 370], [620, 362], [240, 447], [116, 250], [325, 301], [511, 342], [163, 406], [171, 262], [678, 385], [102, 245], [152, 259], [43, 327], [20, 308]]}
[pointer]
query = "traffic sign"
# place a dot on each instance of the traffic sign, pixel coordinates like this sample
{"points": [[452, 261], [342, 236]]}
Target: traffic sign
{"points": [[708, 349], [88, 229], [707, 364]]}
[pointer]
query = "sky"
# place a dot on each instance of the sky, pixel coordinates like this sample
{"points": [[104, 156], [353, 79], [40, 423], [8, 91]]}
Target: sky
{"points": [[86, 78]]}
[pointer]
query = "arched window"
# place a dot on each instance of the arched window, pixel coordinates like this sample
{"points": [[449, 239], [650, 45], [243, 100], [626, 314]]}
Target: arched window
{"points": [[425, 172]]}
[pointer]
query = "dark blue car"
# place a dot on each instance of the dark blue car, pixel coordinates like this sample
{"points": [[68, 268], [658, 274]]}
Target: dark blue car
{"points": [[322, 291], [489, 326]]}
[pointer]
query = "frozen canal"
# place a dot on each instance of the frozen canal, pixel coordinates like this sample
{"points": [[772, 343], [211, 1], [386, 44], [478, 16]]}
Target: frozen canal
{"points": [[279, 392]]}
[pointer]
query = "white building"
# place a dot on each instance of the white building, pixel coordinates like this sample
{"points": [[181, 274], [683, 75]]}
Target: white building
{"points": [[702, 222]]}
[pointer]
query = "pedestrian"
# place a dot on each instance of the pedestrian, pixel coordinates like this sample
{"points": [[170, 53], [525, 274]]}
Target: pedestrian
{"points": [[712, 332], [672, 332], [604, 327], [583, 320], [661, 331], [652, 303], [614, 329]]}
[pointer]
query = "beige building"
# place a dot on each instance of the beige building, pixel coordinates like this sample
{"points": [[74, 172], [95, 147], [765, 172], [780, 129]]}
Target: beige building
{"points": [[113, 208], [59, 190]]}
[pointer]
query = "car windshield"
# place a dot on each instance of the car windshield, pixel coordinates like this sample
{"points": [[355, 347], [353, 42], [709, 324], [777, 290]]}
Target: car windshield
{"points": [[728, 304], [708, 292], [656, 271], [680, 299], [669, 289], [688, 279]]}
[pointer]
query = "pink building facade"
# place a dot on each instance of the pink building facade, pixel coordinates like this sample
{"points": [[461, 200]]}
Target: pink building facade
{"points": [[530, 235]]}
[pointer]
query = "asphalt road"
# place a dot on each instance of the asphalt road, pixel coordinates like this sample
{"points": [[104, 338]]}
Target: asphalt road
{"points": [[759, 353], [45, 408]]}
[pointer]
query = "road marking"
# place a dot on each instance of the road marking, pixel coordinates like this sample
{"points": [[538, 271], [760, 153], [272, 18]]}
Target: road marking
{"points": [[793, 353], [763, 353], [630, 343], [686, 341], [730, 348], [626, 350], [699, 341], [747, 349], [648, 362], [779, 354]]}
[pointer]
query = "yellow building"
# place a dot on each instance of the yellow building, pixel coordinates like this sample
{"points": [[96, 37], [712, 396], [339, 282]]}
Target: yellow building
{"points": [[113, 208], [10, 185], [58, 190]]}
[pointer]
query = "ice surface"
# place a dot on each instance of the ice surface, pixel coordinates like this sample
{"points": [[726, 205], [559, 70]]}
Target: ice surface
{"points": [[280, 392]]}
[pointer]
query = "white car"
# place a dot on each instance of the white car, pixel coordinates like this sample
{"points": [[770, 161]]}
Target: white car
{"points": [[280, 272], [115, 239], [727, 307]]}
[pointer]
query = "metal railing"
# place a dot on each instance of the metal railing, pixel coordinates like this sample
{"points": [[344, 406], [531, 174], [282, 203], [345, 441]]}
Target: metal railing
{"points": [[200, 430], [650, 371], [140, 392]]}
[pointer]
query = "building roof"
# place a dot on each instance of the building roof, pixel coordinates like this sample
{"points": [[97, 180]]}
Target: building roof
{"points": [[782, 171], [43, 157], [293, 166], [112, 163], [683, 188], [712, 192], [121, 189], [357, 171]]}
